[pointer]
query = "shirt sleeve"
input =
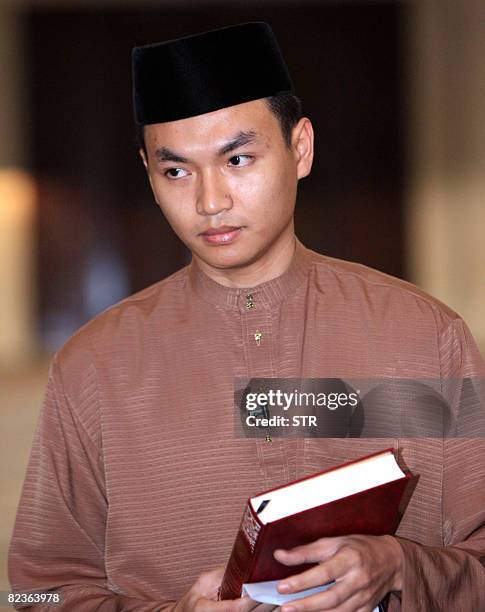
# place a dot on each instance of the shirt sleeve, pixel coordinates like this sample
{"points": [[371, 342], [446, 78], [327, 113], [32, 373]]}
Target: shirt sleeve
{"points": [[59, 533], [452, 577]]}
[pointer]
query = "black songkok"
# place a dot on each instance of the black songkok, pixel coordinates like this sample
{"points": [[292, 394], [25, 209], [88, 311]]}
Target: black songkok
{"points": [[198, 74]]}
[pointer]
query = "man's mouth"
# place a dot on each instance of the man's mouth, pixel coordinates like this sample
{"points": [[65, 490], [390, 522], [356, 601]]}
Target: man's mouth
{"points": [[223, 234]]}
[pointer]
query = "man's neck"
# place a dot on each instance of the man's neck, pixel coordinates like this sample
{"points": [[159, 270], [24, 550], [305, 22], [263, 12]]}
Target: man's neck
{"points": [[271, 265]]}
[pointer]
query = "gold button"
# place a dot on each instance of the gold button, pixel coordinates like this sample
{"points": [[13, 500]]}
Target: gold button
{"points": [[269, 439], [257, 336], [249, 301]]}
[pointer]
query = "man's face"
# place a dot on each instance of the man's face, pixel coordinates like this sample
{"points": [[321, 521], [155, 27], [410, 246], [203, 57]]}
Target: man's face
{"points": [[226, 182]]}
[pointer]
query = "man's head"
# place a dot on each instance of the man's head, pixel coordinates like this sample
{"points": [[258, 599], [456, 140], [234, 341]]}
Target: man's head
{"points": [[224, 144]]}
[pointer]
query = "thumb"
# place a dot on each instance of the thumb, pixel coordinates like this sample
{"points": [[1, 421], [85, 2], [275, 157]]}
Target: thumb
{"points": [[208, 583]]}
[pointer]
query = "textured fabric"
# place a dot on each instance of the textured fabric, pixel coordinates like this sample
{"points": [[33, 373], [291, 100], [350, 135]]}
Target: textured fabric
{"points": [[136, 483], [199, 74]]}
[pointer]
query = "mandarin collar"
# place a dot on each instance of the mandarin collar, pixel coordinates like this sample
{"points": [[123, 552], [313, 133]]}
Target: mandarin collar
{"points": [[266, 294]]}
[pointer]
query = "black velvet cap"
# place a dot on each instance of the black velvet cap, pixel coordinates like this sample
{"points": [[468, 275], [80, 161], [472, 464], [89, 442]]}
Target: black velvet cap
{"points": [[205, 72]]}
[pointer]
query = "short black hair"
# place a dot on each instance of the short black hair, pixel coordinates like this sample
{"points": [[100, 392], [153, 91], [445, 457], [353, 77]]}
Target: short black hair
{"points": [[285, 106]]}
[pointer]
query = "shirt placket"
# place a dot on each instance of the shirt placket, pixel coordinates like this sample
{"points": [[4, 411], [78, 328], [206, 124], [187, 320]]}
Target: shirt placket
{"points": [[260, 358]]}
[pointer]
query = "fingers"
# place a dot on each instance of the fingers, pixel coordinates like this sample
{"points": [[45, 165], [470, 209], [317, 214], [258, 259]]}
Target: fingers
{"points": [[202, 604], [361, 567], [207, 580], [334, 568], [308, 553], [202, 597], [328, 600], [208, 583], [243, 604], [249, 605]]}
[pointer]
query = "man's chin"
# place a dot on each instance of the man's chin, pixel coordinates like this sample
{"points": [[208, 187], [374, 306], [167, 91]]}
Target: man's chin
{"points": [[227, 263], [226, 257]]}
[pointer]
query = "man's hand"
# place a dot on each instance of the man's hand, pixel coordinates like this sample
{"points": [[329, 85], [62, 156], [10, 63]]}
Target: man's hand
{"points": [[365, 569], [202, 597]]}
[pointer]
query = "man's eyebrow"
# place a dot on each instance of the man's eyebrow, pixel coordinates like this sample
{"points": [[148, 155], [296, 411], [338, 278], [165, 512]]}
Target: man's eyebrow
{"points": [[242, 138], [165, 154]]}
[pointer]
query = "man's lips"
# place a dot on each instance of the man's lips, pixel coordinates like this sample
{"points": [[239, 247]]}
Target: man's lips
{"points": [[222, 229], [221, 235]]}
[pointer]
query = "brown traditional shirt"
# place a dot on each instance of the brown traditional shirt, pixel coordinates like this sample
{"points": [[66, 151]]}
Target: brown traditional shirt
{"points": [[136, 482]]}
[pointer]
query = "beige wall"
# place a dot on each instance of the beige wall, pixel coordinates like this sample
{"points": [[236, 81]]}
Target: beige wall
{"points": [[446, 144], [17, 202]]}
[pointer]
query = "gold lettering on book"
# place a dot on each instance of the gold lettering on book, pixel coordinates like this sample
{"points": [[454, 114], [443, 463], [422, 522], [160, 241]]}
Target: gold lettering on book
{"points": [[250, 527]]}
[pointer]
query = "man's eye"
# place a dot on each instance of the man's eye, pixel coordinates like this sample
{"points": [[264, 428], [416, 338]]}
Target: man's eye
{"points": [[241, 160], [175, 173]]}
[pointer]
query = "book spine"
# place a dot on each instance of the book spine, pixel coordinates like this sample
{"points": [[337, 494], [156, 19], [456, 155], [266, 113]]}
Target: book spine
{"points": [[240, 561]]}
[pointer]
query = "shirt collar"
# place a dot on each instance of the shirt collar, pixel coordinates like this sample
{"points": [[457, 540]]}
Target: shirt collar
{"points": [[266, 294]]}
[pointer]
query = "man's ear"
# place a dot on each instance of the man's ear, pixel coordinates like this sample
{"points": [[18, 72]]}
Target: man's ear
{"points": [[302, 144], [143, 158], [145, 163]]}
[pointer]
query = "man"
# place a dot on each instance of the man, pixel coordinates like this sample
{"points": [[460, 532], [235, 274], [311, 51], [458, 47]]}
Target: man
{"points": [[136, 482]]}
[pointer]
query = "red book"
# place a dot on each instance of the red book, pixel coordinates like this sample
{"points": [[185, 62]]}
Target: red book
{"points": [[361, 497]]}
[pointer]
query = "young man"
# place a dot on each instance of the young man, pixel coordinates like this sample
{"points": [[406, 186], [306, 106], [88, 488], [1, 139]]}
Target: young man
{"points": [[136, 481]]}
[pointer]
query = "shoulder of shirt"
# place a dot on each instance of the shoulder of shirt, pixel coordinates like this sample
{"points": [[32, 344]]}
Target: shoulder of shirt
{"points": [[120, 316], [366, 277]]}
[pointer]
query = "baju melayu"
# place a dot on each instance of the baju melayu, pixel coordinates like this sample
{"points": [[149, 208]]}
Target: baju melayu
{"points": [[137, 481]]}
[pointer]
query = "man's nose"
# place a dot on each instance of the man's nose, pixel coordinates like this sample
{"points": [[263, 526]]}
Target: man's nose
{"points": [[212, 193]]}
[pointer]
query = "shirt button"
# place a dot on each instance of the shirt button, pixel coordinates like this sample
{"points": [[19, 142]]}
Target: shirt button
{"points": [[249, 301], [258, 336]]}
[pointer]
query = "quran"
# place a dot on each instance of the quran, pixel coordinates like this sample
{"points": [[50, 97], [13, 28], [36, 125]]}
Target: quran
{"points": [[358, 497]]}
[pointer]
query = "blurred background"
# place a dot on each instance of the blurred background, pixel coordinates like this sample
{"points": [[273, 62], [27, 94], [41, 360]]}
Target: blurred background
{"points": [[396, 92]]}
